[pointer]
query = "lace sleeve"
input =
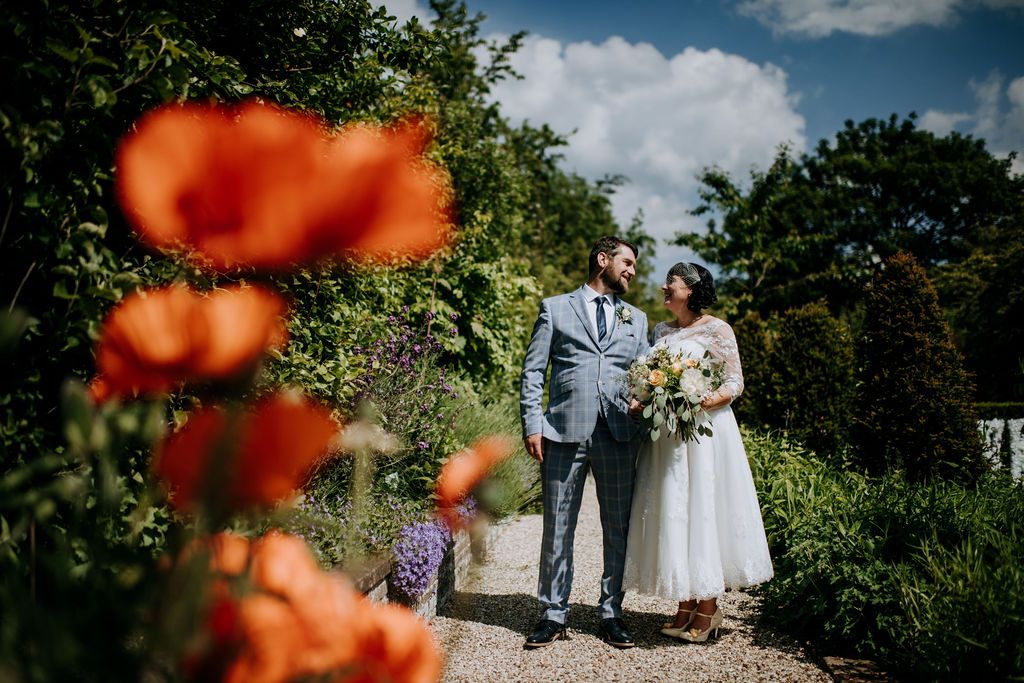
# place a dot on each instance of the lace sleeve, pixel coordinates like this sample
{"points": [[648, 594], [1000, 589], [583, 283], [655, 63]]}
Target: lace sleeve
{"points": [[723, 345], [657, 333]]}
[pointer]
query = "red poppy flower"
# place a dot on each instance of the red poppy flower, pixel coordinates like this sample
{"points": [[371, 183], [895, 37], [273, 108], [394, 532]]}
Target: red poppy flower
{"points": [[157, 339], [396, 646], [269, 450], [149, 341], [266, 187], [243, 323], [298, 622], [464, 471]]}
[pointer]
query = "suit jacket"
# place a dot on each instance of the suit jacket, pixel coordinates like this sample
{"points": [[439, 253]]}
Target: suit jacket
{"points": [[586, 377]]}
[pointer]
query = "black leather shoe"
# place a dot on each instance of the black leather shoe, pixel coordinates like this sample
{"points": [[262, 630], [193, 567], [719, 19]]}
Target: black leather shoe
{"points": [[613, 632], [545, 633]]}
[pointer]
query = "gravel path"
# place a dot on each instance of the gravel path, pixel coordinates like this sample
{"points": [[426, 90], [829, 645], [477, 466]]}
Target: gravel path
{"points": [[483, 628]]}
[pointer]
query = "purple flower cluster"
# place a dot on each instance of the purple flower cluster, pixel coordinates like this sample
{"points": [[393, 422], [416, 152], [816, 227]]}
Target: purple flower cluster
{"points": [[375, 532], [407, 380], [467, 510], [403, 347], [417, 557]]}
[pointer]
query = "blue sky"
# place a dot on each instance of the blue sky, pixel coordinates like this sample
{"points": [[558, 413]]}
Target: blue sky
{"points": [[841, 76], [657, 91]]}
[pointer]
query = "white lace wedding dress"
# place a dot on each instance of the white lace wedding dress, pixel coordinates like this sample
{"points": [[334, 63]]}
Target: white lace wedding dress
{"points": [[695, 527]]}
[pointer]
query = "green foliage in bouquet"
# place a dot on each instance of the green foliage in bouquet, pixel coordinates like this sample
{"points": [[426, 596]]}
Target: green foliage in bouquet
{"points": [[915, 400], [670, 388], [923, 576]]}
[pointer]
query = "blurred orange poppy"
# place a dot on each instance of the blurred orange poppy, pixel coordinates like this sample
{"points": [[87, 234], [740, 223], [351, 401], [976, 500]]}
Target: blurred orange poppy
{"points": [[299, 621], [99, 390], [157, 339], [149, 341], [262, 186], [464, 471], [243, 322], [267, 452], [396, 646], [392, 200]]}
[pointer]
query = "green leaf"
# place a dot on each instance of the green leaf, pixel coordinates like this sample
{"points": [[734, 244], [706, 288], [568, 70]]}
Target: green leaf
{"points": [[63, 51]]}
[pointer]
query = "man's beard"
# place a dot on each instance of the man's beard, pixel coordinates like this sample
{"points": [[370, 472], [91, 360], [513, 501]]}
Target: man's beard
{"points": [[616, 285]]}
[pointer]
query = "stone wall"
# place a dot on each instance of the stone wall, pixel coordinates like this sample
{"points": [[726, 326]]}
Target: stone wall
{"points": [[451, 576]]}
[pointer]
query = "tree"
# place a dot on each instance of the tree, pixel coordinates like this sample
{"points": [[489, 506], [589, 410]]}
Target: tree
{"points": [[818, 226], [813, 373], [773, 253], [798, 368], [915, 402], [984, 296]]}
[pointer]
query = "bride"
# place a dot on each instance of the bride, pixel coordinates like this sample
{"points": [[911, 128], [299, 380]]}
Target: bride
{"points": [[695, 529]]}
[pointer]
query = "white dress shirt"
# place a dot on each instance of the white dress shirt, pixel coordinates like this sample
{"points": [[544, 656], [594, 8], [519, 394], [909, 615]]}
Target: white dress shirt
{"points": [[609, 310]]}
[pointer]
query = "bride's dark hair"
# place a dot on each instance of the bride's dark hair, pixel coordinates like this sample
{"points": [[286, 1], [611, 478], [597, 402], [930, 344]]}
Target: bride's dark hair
{"points": [[701, 284]]}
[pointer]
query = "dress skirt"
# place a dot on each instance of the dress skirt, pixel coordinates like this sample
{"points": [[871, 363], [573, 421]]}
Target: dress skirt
{"points": [[695, 528]]}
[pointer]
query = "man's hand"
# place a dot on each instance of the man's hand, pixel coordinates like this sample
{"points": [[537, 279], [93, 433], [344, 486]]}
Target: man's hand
{"points": [[635, 407], [535, 446]]}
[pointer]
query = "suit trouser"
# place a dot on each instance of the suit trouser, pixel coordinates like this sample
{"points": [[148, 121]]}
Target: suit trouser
{"points": [[563, 475]]}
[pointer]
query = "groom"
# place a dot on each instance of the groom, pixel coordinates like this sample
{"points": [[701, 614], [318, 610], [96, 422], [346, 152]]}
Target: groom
{"points": [[589, 337]]}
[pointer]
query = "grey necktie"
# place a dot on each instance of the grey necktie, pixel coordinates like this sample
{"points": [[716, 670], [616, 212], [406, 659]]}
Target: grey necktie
{"points": [[602, 326]]}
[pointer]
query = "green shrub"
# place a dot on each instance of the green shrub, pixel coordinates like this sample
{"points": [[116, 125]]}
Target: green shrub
{"points": [[924, 576], [754, 406], [915, 405], [798, 370], [812, 367], [1000, 411], [514, 485]]}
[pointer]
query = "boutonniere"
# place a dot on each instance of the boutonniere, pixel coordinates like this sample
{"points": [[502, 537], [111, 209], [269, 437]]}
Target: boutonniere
{"points": [[624, 315]]}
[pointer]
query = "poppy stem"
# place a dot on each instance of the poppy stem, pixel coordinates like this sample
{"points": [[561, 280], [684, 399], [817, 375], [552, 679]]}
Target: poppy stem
{"points": [[362, 481], [17, 292], [216, 490]]}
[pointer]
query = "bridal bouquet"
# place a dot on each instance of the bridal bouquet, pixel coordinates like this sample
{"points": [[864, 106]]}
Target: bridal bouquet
{"points": [[670, 387]]}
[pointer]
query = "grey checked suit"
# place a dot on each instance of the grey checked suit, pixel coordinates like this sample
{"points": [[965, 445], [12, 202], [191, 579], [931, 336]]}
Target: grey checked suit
{"points": [[586, 427]]}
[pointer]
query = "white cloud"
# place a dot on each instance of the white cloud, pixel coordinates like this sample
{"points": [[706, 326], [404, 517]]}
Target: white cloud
{"points": [[819, 18], [998, 118], [404, 10], [942, 123], [659, 121]]}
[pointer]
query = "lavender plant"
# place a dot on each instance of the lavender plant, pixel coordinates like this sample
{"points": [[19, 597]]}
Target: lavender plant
{"points": [[325, 520], [415, 396]]}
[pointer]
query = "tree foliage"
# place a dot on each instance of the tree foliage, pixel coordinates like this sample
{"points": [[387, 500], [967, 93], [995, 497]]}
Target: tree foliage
{"points": [[78, 75], [798, 369], [817, 226], [915, 396], [984, 299]]}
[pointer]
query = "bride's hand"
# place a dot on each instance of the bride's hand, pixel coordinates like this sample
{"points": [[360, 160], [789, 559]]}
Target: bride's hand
{"points": [[635, 407], [713, 400]]}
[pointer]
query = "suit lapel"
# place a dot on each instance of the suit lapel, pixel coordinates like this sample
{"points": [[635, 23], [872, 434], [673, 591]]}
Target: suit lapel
{"points": [[579, 306]]}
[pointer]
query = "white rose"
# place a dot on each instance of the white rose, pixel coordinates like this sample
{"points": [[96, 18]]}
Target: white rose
{"points": [[693, 382]]}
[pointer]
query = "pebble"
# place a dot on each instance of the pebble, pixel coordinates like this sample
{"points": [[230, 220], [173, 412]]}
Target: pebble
{"points": [[483, 628]]}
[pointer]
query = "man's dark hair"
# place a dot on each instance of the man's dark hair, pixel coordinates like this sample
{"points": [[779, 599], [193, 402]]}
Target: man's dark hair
{"points": [[608, 245]]}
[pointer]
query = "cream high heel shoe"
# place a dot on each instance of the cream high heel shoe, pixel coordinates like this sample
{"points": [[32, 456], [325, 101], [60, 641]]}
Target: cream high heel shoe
{"points": [[695, 635], [686, 624]]}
